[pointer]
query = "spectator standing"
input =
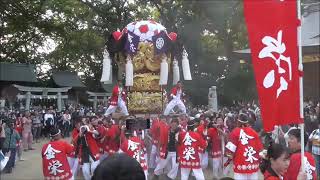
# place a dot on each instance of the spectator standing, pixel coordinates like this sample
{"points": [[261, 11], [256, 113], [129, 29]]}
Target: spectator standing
{"points": [[36, 126], [58, 121], [2, 131], [66, 123], [27, 132], [3, 158], [19, 128], [12, 138], [48, 121]]}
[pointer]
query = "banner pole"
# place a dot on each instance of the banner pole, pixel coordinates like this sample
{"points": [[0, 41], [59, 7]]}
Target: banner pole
{"points": [[301, 83]]}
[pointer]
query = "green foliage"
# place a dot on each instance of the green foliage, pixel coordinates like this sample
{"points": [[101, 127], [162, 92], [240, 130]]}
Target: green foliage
{"points": [[210, 30], [22, 30], [239, 86]]}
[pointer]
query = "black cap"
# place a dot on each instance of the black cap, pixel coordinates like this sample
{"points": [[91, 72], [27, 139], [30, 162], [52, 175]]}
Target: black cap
{"points": [[191, 123], [54, 132], [243, 118]]}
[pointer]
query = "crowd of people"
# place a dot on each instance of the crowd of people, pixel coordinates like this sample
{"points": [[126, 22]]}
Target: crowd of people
{"points": [[21, 129], [232, 137]]}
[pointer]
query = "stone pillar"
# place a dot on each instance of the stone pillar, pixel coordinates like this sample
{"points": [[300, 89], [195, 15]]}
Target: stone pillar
{"points": [[59, 101], [63, 104], [28, 100], [95, 101], [10, 105], [19, 96], [105, 101], [212, 99], [2, 103]]}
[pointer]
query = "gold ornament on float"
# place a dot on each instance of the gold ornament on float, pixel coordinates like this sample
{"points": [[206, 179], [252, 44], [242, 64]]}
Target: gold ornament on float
{"points": [[146, 82], [143, 102]]}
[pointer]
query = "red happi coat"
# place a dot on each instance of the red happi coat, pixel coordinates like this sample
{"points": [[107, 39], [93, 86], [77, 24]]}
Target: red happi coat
{"points": [[215, 140], [295, 164], [18, 125], [245, 145], [174, 92], [92, 144], [114, 97], [54, 160], [163, 140], [102, 131], [155, 131], [201, 129], [267, 175], [112, 136], [189, 146], [135, 148], [74, 135], [183, 125], [105, 140]]}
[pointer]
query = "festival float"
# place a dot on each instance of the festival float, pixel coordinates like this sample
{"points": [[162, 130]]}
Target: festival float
{"points": [[145, 53]]}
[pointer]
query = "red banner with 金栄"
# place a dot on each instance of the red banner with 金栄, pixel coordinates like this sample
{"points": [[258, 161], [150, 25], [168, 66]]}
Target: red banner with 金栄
{"points": [[272, 29]]}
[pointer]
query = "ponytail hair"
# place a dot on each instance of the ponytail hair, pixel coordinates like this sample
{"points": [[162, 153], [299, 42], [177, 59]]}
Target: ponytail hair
{"points": [[274, 151]]}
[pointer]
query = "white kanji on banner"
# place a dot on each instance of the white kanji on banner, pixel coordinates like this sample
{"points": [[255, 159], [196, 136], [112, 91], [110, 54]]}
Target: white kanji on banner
{"points": [[188, 140], [50, 152], [308, 168], [244, 137], [188, 153], [132, 48], [249, 152], [54, 167], [275, 46]]}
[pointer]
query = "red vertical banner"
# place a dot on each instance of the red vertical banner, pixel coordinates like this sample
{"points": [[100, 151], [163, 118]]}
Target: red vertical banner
{"points": [[272, 29]]}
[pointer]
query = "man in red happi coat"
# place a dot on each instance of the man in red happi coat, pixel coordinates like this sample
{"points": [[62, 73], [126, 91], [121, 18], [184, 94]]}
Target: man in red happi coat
{"points": [[87, 150], [101, 130], [190, 145], [118, 99], [54, 157], [243, 148], [202, 130], [134, 147], [216, 135], [112, 139], [155, 134], [73, 158], [168, 148], [104, 141], [294, 144], [176, 95]]}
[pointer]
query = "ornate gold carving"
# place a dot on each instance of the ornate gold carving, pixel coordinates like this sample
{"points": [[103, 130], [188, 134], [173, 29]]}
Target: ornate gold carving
{"points": [[146, 82], [143, 102], [145, 95]]}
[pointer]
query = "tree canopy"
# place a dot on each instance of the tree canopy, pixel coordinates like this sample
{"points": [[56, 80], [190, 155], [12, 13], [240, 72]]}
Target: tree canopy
{"points": [[71, 35]]}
